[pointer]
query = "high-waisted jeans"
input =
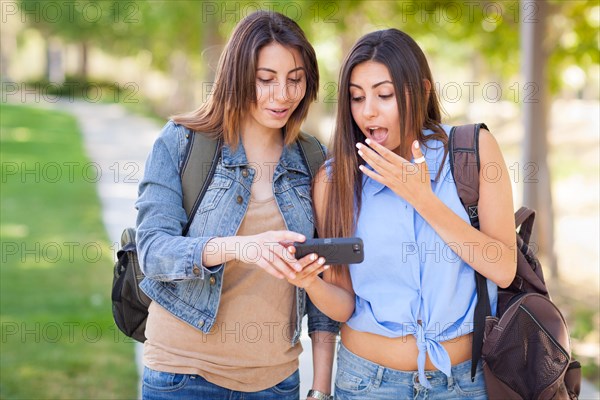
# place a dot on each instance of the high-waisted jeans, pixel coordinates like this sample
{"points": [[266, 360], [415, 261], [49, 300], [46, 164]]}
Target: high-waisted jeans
{"points": [[358, 378]]}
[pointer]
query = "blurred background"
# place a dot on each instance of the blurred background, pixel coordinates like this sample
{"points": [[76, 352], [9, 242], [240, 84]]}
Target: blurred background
{"points": [[86, 86]]}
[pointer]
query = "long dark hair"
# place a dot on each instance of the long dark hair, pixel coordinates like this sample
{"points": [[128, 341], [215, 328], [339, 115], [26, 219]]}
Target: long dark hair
{"points": [[235, 80], [408, 69]]}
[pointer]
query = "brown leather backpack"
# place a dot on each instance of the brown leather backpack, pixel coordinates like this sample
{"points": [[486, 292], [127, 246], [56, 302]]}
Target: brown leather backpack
{"points": [[526, 347]]}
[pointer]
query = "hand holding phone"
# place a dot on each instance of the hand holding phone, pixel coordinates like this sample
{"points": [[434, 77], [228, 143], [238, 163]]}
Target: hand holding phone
{"points": [[334, 250]]}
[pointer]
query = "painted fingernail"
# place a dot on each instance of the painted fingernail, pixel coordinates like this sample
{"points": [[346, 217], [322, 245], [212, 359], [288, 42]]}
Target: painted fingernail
{"points": [[326, 267], [321, 260], [298, 267], [416, 144], [360, 153], [313, 257], [368, 141], [359, 145], [293, 276]]}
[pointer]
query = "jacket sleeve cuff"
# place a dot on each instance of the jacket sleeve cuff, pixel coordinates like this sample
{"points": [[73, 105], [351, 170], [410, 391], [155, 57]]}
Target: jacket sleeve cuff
{"points": [[198, 268]]}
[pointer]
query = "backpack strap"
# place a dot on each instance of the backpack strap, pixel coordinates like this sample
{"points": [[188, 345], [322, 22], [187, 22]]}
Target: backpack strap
{"points": [[199, 164], [314, 156], [524, 218], [312, 151], [463, 148]]}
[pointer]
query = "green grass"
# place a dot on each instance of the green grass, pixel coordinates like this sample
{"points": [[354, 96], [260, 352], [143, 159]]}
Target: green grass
{"points": [[58, 337]]}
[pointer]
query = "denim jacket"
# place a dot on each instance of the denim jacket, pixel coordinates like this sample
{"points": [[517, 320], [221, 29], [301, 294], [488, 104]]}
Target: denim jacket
{"points": [[172, 264]]}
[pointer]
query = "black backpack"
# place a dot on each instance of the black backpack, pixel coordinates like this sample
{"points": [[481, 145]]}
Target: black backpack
{"points": [[129, 303], [526, 348]]}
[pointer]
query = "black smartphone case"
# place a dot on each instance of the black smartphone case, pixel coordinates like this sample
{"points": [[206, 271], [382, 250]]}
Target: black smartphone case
{"points": [[334, 250]]}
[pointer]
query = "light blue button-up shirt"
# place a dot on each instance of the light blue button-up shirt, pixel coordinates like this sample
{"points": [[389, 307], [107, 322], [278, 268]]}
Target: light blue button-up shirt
{"points": [[409, 273]]}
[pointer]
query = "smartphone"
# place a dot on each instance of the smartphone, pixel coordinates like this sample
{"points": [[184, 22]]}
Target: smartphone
{"points": [[334, 250]]}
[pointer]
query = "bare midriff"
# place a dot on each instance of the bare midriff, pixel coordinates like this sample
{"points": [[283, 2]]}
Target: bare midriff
{"points": [[400, 353]]}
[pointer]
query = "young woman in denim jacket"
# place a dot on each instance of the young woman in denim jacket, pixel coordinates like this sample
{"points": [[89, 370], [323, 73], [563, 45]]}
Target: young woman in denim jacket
{"points": [[228, 298], [408, 308]]}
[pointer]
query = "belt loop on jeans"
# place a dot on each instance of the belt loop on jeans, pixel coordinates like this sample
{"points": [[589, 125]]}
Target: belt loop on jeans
{"points": [[379, 376]]}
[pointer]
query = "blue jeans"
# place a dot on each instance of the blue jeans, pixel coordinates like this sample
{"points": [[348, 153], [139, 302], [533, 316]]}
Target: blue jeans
{"points": [[166, 386], [358, 378]]}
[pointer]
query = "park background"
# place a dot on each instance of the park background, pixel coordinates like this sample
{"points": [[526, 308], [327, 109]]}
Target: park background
{"points": [[86, 85]]}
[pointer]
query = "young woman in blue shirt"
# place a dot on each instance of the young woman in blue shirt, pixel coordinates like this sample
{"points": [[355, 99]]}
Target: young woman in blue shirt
{"points": [[227, 299], [408, 308]]}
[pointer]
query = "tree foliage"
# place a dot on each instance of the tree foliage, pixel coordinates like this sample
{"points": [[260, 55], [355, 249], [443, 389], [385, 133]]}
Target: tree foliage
{"points": [[485, 30]]}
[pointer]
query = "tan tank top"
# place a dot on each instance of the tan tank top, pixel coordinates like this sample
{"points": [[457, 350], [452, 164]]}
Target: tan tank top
{"points": [[248, 348]]}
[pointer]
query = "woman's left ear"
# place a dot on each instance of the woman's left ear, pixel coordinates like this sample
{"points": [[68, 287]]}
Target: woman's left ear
{"points": [[427, 85]]}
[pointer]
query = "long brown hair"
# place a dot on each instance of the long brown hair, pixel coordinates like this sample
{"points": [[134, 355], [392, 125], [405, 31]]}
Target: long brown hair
{"points": [[235, 79], [409, 69]]}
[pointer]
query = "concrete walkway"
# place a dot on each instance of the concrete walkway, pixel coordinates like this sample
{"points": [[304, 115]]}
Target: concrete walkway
{"points": [[119, 142]]}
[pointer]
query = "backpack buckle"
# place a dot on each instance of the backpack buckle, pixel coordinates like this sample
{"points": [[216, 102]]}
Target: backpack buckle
{"points": [[473, 212]]}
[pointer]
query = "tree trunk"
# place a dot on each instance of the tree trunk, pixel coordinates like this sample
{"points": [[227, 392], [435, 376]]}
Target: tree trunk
{"points": [[212, 45], [83, 62], [54, 62], [182, 96], [535, 172]]}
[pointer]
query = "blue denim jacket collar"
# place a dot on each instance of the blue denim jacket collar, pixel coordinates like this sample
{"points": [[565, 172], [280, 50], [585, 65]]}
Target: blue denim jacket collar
{"points": [[231, 158]]}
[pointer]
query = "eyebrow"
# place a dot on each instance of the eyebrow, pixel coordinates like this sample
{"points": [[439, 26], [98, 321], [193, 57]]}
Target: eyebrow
{"points": [[374, 86], [273, 71]]}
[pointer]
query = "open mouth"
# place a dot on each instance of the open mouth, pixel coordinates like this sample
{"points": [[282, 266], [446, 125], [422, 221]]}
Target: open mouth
{"points": [[377, 133]]}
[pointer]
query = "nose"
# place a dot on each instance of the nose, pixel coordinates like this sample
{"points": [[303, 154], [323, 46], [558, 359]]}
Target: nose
{"points": [[293, 92], [279, 93], [369, 109]]}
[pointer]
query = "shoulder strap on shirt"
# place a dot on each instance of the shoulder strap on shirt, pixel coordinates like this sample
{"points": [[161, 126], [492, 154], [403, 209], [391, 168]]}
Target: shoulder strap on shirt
{"points": [[463, 147], [199, 164]]}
